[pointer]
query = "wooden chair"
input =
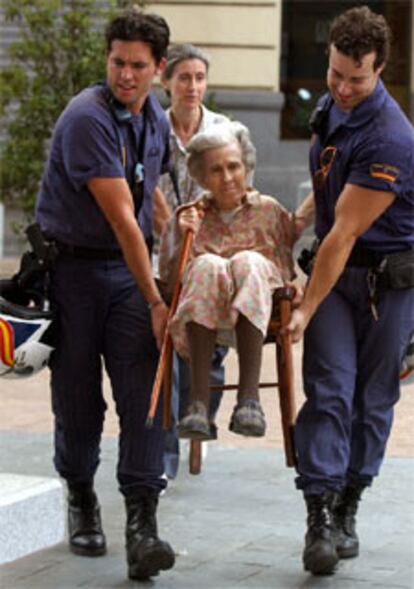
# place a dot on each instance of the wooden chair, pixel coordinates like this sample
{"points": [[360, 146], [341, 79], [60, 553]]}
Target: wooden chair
{"points": [[282, 303], [282, 299]]}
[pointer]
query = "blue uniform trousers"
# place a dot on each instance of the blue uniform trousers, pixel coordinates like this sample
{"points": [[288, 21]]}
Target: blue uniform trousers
{"points": [[102, 316], [351, 371]]}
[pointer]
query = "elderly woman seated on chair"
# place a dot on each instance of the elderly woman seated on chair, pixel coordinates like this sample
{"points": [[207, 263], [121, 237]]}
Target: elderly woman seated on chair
{"points": [[241, 252]]}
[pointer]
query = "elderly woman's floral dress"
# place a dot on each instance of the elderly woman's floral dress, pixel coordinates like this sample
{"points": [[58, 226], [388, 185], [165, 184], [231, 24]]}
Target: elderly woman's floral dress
{"points": [[238, 259]]}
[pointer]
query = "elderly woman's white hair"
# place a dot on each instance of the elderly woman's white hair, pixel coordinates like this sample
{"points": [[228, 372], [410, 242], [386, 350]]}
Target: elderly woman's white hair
{"points": [[218, 136]]}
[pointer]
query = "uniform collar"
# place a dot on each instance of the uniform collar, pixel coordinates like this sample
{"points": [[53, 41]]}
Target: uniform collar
{"points": [[151, 107], [153, 110]]}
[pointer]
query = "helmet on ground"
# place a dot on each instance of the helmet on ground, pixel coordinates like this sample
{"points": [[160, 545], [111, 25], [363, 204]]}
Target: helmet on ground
{"points": [[25, 315], [25, 343]]}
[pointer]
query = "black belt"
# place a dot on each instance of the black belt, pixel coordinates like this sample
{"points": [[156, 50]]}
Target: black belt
{"points": [[87, 253], [365, 258], [90, 253], [360, 256]]}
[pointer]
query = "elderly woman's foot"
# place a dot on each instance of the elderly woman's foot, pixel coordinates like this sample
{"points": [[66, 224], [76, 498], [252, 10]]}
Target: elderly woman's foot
{"points": [[195, 424], [248, 418]]}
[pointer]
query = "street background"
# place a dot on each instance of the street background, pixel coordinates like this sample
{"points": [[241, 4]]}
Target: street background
{"points": [[240, 524]]}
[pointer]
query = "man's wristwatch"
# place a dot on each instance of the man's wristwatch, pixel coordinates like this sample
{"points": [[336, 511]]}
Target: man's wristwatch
{"points": [[155, 304]]}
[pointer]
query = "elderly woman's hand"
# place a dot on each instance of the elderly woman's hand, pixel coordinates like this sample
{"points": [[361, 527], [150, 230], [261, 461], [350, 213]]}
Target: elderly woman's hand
{"points": [[189, 220]]}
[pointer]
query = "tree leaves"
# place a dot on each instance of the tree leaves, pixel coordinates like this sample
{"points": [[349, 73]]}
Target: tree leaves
{"points": [[60, 51]]}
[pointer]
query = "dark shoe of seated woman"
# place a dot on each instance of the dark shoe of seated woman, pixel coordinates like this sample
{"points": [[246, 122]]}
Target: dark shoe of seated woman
{"points": [[248, 418], [195, 425]]}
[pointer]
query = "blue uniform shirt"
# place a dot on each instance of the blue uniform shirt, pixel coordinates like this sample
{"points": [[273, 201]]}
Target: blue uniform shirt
{"points": [[375, 149], [89, 142]]}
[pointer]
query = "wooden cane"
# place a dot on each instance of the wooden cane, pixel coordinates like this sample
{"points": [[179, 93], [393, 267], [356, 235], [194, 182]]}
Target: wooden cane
{"points": [[286, 378], [166, 348]]}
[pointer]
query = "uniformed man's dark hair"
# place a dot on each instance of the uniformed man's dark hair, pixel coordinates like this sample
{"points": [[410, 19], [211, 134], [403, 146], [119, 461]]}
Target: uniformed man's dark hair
{"points": [[359, 31], [134, 25]]}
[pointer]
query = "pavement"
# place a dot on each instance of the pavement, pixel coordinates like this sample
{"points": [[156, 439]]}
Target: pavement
{"points": [[239, 524]]}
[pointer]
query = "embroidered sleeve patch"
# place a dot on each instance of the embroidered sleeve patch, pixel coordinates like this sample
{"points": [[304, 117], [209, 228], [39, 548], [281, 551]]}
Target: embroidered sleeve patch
{"points": [[384, 171]]}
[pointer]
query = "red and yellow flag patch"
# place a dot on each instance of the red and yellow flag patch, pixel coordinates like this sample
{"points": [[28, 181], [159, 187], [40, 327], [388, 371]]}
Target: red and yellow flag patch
{"points": [[6, 343], [384, 172]]}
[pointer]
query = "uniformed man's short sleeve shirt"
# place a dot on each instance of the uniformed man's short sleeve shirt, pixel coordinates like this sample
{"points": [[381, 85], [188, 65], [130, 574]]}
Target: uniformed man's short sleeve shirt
{"points": [[89, 142], [374, 148]]}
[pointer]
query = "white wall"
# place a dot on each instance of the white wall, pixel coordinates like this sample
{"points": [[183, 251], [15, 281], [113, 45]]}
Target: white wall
{"points": [[243, 38]]}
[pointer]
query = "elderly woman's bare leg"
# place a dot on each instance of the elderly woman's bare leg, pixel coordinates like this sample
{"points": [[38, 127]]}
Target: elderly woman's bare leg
{"points": [[249, 348], [201, 342], [248, 418]]}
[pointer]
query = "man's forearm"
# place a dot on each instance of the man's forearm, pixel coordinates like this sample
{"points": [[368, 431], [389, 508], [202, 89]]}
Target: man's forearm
{"points": [[115, 200], [161, 210], [304, 215], [136, 255], [328, 267]]}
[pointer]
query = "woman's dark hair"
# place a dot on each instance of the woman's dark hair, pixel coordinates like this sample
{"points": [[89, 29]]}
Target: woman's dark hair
{"points": [[178, 53], [359, 31], [134, 25]]}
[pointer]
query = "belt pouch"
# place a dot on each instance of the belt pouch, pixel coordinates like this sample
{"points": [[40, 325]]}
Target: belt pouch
{"points": [[398, 270]]}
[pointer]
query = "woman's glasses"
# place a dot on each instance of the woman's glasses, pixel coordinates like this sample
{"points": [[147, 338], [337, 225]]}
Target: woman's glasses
{"points": [[326, 159]]}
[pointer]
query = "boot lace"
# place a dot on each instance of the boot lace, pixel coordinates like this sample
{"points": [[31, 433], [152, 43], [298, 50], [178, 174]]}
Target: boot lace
{"points": [[320, 512]]}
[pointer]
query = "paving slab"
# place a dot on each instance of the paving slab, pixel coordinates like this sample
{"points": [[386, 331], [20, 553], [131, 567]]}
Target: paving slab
{"points": [[31, 514], [238, 525]]}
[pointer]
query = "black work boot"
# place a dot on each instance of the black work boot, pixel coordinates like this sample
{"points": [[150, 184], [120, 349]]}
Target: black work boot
{"points": [[347, 543], [146, 553], [320, 556], [86, 536]]}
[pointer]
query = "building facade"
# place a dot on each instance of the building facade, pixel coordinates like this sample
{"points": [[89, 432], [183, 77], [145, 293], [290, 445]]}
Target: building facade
{"points": [[268, 69]]}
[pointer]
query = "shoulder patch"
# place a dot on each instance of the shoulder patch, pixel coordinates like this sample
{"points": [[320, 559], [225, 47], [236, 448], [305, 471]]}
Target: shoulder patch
{"points": [[384, 172]]}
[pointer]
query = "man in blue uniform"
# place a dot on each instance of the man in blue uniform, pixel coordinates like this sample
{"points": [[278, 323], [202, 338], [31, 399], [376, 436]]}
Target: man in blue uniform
{"points": [[108, 149], [358, 308]]}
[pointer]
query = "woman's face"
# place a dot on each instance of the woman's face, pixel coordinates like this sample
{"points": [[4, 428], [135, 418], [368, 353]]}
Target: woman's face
{"points": [[187, 84], [224, 175]]}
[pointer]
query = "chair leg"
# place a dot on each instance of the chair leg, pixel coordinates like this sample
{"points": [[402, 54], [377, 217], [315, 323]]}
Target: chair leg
{"points": [[195, 457], [286, 389]]}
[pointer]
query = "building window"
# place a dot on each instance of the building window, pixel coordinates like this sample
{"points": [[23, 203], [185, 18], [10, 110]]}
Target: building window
{"points": [[305, 26]]}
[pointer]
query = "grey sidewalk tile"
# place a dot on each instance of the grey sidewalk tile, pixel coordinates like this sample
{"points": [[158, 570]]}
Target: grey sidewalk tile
{"points": [[239, 525]]}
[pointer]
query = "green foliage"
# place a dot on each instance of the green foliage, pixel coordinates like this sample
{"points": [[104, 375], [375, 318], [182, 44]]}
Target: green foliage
{"points": [[211, 103], [60, 50]]}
